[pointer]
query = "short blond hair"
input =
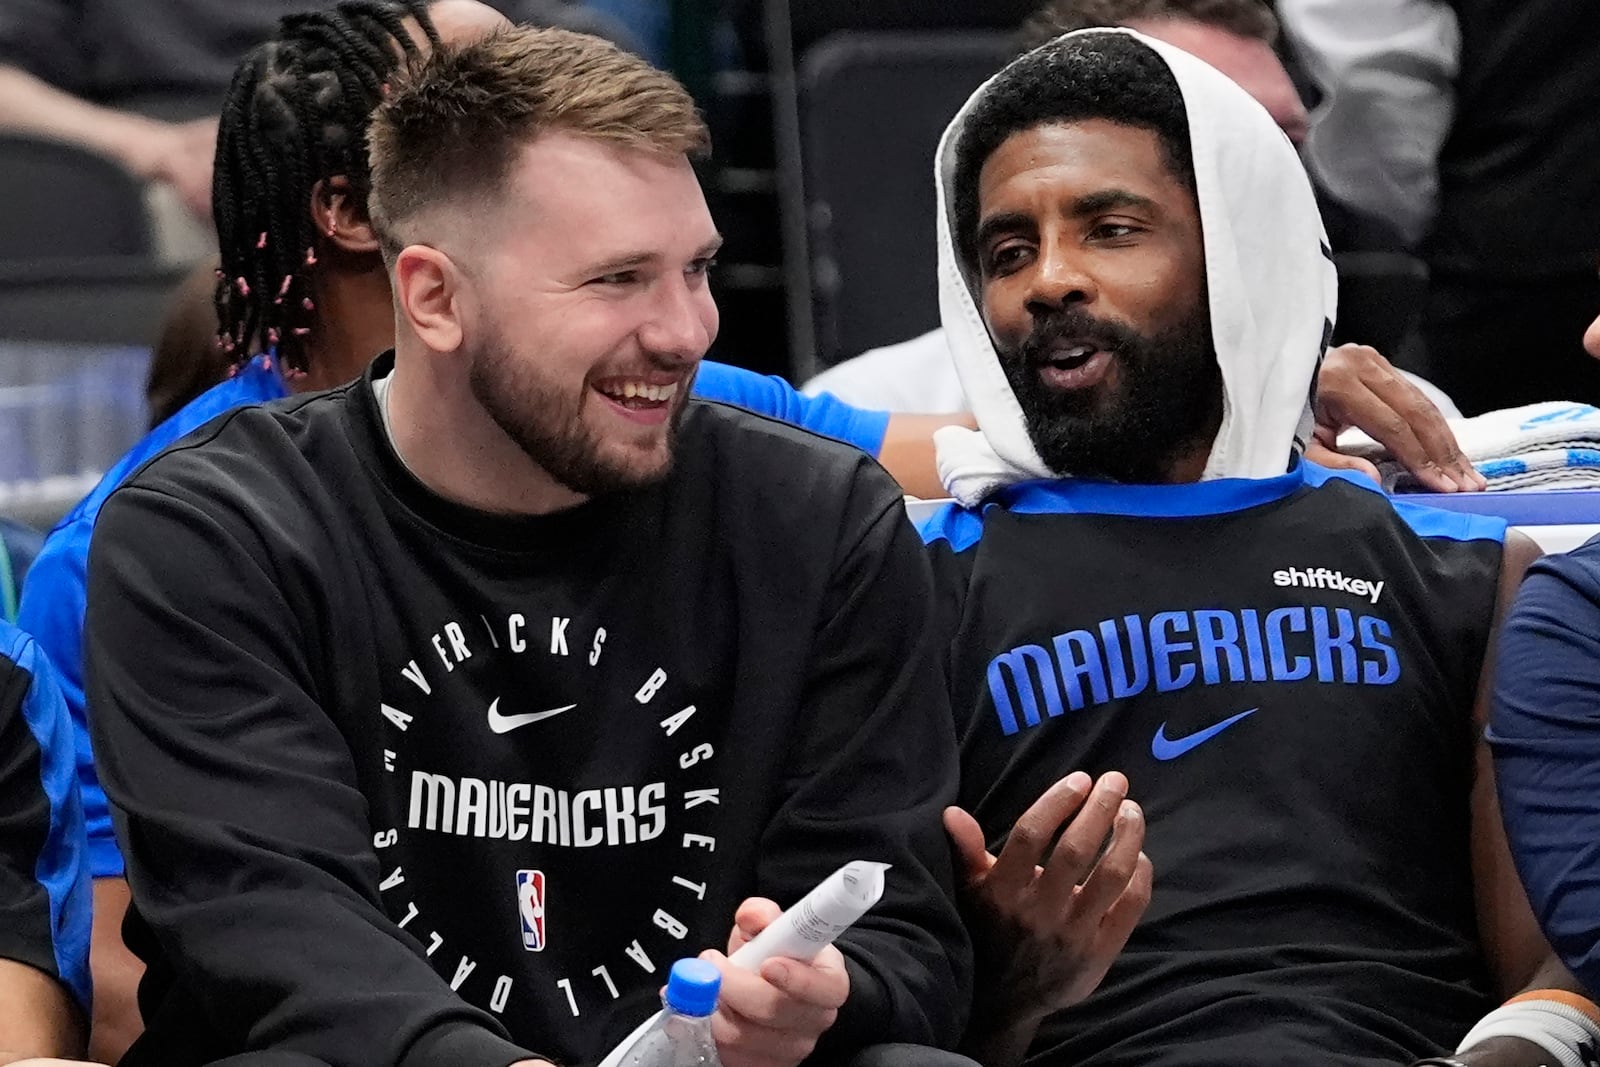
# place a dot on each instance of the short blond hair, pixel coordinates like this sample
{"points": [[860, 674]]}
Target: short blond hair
{"points": [[452, 124]]}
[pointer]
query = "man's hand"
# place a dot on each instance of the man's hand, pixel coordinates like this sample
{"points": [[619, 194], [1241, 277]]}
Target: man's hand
{"points": [[1046, 935], [773, 1018], [1358, 387], [187, 166], [180, 154]]}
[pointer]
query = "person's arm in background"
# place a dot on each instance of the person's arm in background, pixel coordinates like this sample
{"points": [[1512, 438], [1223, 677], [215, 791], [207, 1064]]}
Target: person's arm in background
{"points": [[42, 61], [248, 846], [44, 882], [1357, 387], [902, 443], [53, 599], [1545, 735], [1387, 70], [179, 153]]}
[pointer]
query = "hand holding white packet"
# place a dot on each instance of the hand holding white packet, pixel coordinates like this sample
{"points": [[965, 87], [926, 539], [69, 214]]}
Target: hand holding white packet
{"points": [[820, 916], [801, 932]]}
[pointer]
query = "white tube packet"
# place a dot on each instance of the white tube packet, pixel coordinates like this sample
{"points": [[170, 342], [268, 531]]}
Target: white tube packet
{"points": [[800, 932], [821, 915]]}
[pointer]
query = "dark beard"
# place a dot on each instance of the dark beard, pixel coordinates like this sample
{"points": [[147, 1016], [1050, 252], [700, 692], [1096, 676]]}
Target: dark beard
{"points": [[1165, 403], [546, 422]]}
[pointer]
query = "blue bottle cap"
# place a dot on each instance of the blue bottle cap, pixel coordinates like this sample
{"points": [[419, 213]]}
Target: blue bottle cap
{"points": [[692, 988]]}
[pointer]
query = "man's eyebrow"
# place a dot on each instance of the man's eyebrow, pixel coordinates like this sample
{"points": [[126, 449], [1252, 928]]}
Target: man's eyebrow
{"points": [[1005, 222], [1107, 199], [633, 260], [1083, 206]]}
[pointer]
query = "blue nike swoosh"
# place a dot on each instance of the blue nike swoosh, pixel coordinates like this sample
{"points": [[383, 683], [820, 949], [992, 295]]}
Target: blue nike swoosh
{"points": [[1163, 748]]}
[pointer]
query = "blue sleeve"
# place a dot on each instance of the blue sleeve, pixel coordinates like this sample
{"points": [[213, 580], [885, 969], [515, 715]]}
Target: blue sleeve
{"points": [[770, 395], [45, 901], [1545, 735], [53, 599]]}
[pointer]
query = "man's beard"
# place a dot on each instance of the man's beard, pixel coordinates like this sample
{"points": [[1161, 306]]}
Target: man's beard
{"points": [[546, 422], [1165, 403]]}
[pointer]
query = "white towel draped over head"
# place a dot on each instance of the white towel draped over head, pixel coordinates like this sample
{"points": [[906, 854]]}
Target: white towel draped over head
{"points": [[1269, 274]]}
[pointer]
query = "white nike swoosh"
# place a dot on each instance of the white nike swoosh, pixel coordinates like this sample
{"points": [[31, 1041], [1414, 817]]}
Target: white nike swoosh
{"points": [[504, 724]]}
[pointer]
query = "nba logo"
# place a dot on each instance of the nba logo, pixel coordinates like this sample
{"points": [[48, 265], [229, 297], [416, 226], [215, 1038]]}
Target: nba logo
{"points": [[530, 909]]}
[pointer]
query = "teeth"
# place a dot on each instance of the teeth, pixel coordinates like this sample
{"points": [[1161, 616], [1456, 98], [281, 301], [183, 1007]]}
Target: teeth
{"points": [[642, 391]]}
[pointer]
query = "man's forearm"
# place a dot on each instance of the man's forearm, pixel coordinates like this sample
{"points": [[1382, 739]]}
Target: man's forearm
{"points": [[33, 106], [37, 1017]]}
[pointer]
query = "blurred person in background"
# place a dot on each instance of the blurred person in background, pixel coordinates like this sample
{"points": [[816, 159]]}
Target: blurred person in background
{"points": [[141, 81], [1472, 127], [44, 878], [1359, 386]]}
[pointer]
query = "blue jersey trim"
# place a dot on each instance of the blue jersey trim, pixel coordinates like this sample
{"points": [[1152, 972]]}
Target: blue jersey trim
{"points": [[767, 394], [962, 528], [56, 587], [1079, 496], [1424, 521], [61, 869], [958, 526]]}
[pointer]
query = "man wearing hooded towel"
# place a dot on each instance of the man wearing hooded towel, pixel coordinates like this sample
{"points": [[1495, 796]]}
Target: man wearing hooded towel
{"points": [[1146, 581]]}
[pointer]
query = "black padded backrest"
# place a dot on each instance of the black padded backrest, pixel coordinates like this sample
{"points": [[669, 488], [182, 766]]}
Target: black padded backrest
{"points": [[58, 200], [872, 108]]}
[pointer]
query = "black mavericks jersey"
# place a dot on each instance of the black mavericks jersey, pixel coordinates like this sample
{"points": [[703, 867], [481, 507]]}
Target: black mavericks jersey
{"points": [[1285, 669]]}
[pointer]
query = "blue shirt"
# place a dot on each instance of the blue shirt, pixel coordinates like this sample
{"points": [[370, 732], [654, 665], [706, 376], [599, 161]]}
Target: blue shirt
{"points": [[767, 394], [53, 596], [1545, 734], [45, 904]]}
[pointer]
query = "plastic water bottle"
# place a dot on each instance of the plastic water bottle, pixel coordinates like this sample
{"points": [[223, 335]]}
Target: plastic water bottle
{"points": [[682, 1036]]}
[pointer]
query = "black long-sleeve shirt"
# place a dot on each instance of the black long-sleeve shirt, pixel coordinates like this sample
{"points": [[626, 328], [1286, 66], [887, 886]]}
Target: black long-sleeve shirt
{"points": [[403, 783]]}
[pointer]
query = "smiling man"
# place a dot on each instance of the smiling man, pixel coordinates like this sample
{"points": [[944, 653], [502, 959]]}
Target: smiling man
{"points": [[1146, 581], [441, 712]]}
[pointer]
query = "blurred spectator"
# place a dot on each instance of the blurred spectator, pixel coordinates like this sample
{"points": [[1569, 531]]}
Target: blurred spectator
{"points": [[140, 81], [44, 881], [1499, 185], [1514, 248], [1385, 70], [136, 80]]}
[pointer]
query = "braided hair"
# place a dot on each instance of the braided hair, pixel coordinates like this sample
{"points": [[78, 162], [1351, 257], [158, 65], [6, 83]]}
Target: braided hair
{"points": [[295, 114]]}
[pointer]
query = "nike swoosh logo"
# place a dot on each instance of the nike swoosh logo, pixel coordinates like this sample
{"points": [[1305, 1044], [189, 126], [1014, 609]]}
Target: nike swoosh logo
{"points": [[1165, 748], [504, 724]]}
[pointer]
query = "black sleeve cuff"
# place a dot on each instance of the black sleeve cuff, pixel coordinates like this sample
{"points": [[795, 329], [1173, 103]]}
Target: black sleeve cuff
{"points": [[464, 1044]]}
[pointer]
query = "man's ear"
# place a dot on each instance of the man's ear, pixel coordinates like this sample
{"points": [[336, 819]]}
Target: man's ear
{"points": [[428, 291], [339, 216]]}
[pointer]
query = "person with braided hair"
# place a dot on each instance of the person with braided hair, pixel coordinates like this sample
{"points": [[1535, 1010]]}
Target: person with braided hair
{"points": [[302, 301]]}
